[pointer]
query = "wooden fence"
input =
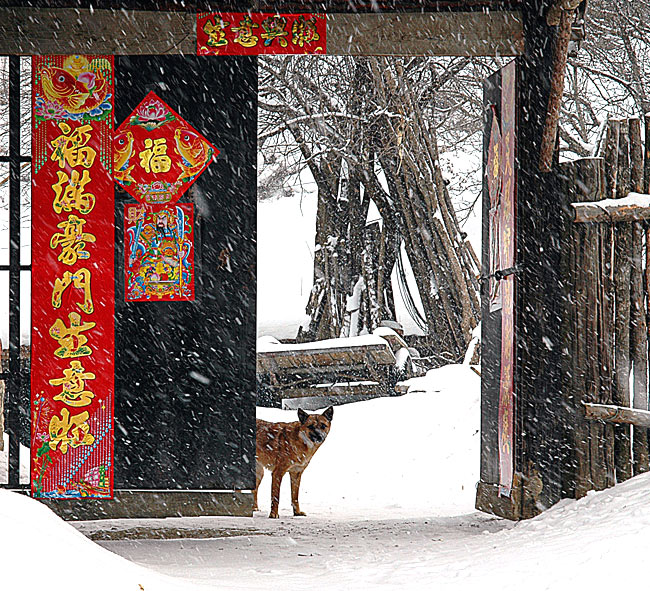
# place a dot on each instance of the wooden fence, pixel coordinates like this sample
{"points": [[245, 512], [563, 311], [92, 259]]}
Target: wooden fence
{"points": [[605, 335]]}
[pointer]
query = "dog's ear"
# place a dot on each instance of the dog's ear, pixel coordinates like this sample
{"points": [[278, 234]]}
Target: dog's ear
{"points": [[302, 416], [329, 413]]}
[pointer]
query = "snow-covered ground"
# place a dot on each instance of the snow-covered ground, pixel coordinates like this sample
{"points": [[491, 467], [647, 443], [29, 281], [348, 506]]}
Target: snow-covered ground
{"points": [[389, 499]]}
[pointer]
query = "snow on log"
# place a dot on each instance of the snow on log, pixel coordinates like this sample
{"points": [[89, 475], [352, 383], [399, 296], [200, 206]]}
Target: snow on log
{"points": [[634, 207], [617, 414]]}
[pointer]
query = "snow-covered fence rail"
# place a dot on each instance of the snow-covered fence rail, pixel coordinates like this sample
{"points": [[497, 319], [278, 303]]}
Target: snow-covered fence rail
{"points": [[633, 208], [367, 366], [605, 340], [617, 414]]}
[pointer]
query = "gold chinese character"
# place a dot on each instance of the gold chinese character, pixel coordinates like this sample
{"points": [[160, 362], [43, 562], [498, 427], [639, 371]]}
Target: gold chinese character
{"points": [[154, 158], [70, 431], [71, 342], [245, 36], [80, 279], [72, 148], [72, 240], [73, 384], [274, 29], [70, 194], [304, 31], [215, 32]]}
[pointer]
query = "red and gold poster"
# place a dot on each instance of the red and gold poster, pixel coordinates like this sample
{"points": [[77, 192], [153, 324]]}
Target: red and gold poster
{"points": [[72, 277], [157, 154], [258, 33], [159, 252], [507, 261]]}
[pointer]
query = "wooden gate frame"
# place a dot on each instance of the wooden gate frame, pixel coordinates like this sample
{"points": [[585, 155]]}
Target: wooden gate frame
{"points": [[461, 27]]}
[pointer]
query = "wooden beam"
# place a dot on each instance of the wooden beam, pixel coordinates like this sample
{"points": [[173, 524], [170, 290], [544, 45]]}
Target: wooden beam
{"points": [[634, 207], [30, 31], [617, 414], [120, 32], [451, 33]]}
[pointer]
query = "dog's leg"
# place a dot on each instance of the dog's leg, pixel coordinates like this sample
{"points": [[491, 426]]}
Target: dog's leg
{"points": [[295, 488], [276, 481], [259, 474]]}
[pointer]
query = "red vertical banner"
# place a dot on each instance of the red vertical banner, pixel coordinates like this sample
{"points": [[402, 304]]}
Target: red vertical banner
{"points": [[507, 220], [72, 277]]}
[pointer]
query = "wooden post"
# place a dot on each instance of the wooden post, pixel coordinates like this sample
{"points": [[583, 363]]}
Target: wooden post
{"points": [[603, 435], [638, 328], [549, 135], [2, 403], [622, 276], [646, 156], [583, 326], [646, 188]]}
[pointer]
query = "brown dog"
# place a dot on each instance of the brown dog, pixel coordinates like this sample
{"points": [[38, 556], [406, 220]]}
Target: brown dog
{"points": [[289, 447]]}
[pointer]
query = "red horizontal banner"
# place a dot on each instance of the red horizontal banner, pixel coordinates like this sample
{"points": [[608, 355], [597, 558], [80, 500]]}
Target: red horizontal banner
{"points": [[72, 277], [243, 33]]}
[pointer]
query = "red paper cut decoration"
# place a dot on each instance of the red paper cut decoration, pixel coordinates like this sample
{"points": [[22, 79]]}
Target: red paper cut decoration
{"points": [[243, 33], [72, 277], [158, 155], [159, 252]]}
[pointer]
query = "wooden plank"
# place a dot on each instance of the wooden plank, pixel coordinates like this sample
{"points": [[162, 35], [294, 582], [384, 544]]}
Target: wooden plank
{"points": [[120, 32], [603, 435], [582, 334], [365, 389], [452, 33], [341, 358], [622, 275], [155, 504], [638, 331], [617, 414]]}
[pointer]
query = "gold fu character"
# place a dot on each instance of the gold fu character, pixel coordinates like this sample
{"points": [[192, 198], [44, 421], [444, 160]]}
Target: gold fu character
{"points": [[70, 147]]}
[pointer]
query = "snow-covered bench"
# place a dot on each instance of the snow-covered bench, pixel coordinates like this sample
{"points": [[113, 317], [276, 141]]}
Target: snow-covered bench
{"points": [[368, 366]]}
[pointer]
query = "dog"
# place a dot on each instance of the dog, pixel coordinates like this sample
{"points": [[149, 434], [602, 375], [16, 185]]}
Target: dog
{"points": [[288, 447]]}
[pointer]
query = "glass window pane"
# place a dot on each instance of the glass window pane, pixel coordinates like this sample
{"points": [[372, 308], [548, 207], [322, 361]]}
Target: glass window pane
{"points": [[25, 106]]}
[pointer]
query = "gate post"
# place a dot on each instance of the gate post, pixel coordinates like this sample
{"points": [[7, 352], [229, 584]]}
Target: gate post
{"points": [[537, 440]]}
